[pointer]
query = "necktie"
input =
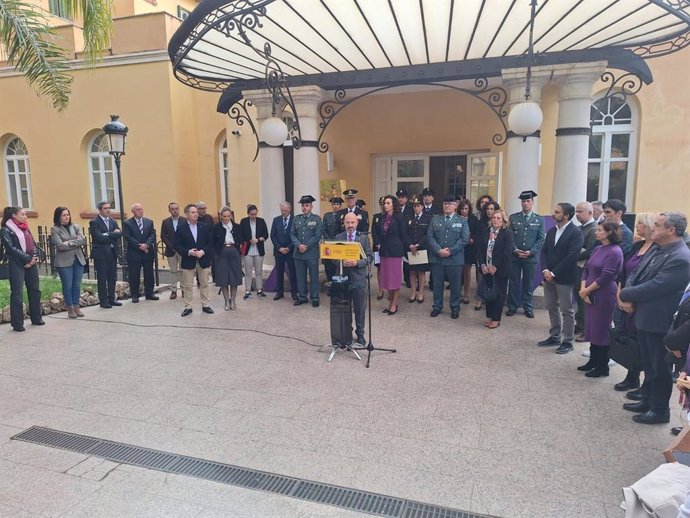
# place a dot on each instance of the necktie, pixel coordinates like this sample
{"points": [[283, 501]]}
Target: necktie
{"points": [[285, 222], [351, 237], [447, 218], [418, 217], [140, 223]]}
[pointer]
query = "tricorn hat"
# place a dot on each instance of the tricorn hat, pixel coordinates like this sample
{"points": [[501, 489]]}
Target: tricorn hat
{"points": [[450, 198], [527, 195], [381, 199], [307, 198], [336, 199], [361, 203]]}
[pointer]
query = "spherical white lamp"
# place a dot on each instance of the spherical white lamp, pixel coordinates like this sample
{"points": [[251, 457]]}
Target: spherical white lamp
{"points": [[525, 118], [274, 131]]}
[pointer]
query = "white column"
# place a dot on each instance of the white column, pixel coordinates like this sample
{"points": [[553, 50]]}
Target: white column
{"points": [[271, 167], [522, 161], [306, 160], [573, 131]]}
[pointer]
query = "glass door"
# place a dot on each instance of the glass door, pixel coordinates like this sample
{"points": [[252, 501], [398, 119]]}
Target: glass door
{"points": [[410, 173], [484, 175]]}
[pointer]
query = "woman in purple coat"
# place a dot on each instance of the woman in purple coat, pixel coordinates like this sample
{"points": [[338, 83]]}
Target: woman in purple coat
{"points": [[598, 290]]}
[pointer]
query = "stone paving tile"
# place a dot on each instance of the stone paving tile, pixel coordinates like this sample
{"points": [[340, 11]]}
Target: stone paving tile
{"points": [[39, 456], [227, 448], [9, 511]]}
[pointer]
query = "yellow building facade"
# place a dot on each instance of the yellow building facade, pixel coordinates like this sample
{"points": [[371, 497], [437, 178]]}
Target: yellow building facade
{"points": [[181, 149]]}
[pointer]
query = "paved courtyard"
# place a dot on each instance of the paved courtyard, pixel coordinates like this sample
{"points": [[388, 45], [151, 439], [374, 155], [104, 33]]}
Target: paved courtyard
{"points": [[460, 416]]}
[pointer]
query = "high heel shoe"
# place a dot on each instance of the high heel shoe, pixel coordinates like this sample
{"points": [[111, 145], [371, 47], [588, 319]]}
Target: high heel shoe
{"points": [[227, 305], [420, 301], [412, 299], [465, 300], [478, 307], [391, 312], [386, 310], [379, 296], [493, 325], [486, 324]]}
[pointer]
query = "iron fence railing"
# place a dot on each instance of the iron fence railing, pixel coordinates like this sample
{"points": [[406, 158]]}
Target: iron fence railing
{"points": [[47, 267]]}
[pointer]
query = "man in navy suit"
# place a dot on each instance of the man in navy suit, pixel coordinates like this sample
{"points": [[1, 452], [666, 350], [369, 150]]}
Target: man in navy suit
{"points": [[194, 243], [105, 236], [141, 250], [283, 249], [559, 257]]}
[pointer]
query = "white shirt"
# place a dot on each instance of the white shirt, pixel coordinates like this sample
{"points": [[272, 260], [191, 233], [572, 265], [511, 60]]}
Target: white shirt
{"points": [[253, 249], [229, 240], [193, 228], [175, 221], [559, 231]]}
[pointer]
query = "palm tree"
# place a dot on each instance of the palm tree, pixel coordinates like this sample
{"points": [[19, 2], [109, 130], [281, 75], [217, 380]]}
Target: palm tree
{"points": [[32, 48]]}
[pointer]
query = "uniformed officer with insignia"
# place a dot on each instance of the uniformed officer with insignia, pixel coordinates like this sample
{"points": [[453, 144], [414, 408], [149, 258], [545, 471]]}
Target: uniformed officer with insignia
{"points": [[306, 235], [331, 228], [447, 236], [417, 229], [405, 208], [528, 229], [428, 200], [362, 215]]}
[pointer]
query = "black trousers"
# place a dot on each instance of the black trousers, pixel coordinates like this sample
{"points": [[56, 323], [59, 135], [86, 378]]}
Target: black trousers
{"points": [[330, 267], [284, 261], [494, 309], [134, 267], [19, 276], [106, 274]]}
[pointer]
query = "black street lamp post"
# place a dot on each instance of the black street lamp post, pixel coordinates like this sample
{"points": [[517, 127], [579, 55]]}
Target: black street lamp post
{"points": [[117, 137]]}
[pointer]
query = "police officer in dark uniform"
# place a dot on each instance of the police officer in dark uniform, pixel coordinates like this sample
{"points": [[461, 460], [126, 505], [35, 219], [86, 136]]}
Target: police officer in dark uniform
{"points": [[417, 228], [362, 215], [306, 235], [528, 229], [405, 207], [331, 228], [428, 200]]}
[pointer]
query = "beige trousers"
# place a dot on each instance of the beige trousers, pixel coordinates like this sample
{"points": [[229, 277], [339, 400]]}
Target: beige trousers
{"points": [[256, 263], [188, 285], [175, 271]]}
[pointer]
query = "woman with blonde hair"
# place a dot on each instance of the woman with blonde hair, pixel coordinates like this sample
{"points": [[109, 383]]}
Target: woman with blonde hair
{"points": [[227, 239]]}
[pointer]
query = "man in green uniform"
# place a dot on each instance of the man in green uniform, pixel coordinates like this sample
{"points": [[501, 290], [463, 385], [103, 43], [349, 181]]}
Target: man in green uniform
{"points": [[306, 234], [331, 227]]}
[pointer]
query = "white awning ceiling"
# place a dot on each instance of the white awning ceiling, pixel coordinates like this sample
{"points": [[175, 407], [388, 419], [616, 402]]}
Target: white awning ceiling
{"points": [[311, 37]]}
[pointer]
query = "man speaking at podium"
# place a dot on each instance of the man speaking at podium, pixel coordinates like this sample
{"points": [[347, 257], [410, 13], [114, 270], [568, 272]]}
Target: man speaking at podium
{"points": [[357, 272]]}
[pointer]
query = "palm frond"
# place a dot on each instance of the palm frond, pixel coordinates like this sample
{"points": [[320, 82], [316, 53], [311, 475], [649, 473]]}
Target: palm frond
{"points": [[97, 24], [31, 47]]}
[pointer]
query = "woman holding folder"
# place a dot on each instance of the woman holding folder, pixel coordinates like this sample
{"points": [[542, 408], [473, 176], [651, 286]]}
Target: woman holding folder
{"points": [[417, 226]]}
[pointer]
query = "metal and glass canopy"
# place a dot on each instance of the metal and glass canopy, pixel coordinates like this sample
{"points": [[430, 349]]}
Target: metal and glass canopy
{"points": [[346, 43]]}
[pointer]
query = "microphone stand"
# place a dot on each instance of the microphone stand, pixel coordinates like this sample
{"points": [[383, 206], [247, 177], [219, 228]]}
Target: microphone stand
{"points": [[370, 345]]}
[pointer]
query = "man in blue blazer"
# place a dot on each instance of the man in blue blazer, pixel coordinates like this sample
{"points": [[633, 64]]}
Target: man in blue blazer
{"points": [[283, 250], [559, 257], [140, 237], [105, 236], [194, 242], [447, 235], [652, 292]]}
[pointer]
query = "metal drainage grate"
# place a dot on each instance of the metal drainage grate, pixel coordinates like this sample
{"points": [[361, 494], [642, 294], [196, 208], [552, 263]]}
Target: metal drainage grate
{"points": [[346, 498]]}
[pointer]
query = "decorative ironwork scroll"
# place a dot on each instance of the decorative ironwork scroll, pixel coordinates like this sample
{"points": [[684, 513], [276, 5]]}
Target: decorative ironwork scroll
{"points": [[240, 114], [622, 86], [494, 97], [277, 85]]}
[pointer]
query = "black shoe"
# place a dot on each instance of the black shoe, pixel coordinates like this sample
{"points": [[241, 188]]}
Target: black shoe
{"points": [[529, 313], [207, 309], [638, 408], [454, 314], [652, 417], [361, 341], [549, 342], [295, 297], [676, 430], [386, 311], [598, 373], [587, 366], [635, 395], [564, 348], [511, 312], [261, 293], [186, 312], [626, 384], [315, 304], [115, 303], [39, 323], [152, 297], [299, 302], [135, 300], [435, 312], [106, 305], [19, 329], [278, 296]]}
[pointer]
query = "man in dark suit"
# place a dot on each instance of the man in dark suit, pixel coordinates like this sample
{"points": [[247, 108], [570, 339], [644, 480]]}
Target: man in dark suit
{"points": [[652, 293], [140, 236], [194, 242], [357, 272], [614, 210], [559, 262], [362, 215], [428, 200], [105, 237], [584, 213], [283, 250], [168, 228], [331, 227]]}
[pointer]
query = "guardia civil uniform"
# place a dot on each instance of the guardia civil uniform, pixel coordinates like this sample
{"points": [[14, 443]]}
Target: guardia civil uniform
{"points": [[529, 236], [307, 230], [331, 228]]}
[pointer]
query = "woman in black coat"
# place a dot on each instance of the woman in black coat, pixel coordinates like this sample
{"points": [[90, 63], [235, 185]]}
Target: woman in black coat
{"points": [[254, 234], [417, 227], [393, 241], [227, 238], [20, 248], [494, 255], [465, 210]]}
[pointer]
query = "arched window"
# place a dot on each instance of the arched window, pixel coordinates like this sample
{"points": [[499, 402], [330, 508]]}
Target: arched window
{"points": [[611, 150], [18, 174], [102, 173], [224, 172]]}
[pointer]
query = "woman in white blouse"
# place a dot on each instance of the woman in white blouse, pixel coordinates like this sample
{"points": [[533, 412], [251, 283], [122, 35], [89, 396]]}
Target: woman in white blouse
{"points": [[254, 234], [227, 239]]}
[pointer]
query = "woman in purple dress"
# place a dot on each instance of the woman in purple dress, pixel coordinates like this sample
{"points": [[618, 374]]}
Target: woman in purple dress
{"points": [[393, 241], [598, 290]]}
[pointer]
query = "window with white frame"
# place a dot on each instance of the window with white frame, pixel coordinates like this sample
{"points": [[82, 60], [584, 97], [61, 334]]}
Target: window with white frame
{"points": [[18, 174], [102, 173], [611, 165], [224, 172]]}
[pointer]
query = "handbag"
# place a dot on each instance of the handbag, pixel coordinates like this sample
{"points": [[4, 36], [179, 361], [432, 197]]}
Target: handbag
{"points": [[623, 346], [487, 289]]}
